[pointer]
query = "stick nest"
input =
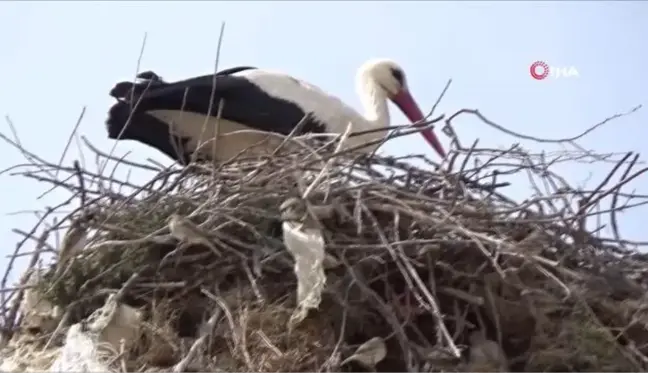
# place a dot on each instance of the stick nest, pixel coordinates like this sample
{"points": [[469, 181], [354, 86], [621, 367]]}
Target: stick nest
{"points": [[423, 257]]}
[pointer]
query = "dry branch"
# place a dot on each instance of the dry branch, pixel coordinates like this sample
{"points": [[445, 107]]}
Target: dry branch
{"points": [[425, 257]]}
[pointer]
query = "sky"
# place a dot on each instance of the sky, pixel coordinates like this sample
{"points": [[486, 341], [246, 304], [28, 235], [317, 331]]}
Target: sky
{"points": [[58, 57]]}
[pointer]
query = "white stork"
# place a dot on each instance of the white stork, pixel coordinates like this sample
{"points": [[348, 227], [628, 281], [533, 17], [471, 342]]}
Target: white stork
{"points": [[178, 117]]}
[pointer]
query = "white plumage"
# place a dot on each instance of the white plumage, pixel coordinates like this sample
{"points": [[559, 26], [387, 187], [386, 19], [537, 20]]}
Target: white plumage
{"points": [[324, 107]]}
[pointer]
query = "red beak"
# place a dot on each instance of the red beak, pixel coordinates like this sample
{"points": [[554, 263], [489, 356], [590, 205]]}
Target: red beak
{"points": [[410, 108]]}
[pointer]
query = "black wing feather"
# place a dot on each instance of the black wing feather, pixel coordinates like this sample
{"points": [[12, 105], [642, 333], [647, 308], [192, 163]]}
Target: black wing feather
{"points": [[150, 80], [244, 102]]}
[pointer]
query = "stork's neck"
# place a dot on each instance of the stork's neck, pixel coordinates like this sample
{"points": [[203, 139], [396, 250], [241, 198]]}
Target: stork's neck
{"points": [[374, 100]]}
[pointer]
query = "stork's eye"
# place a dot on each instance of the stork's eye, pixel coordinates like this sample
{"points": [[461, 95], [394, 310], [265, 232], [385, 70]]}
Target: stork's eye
{"points": [[398, 75]]}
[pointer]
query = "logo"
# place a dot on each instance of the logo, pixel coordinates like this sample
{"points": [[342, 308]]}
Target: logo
{"points": [[540, 70]]}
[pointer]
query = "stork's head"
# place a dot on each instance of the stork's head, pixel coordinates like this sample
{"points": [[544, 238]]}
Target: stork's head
{"points": [[391, 78]]}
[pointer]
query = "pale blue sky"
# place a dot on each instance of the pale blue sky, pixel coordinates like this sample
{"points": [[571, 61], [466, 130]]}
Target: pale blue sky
{"points": [[56, 57]]}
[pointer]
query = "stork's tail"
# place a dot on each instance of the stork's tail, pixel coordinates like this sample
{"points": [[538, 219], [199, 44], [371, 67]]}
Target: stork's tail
{"points": [[147, 80], [150, 76]]}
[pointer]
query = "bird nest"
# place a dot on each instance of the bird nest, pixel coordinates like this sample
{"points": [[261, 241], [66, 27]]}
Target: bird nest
{"points": [[420, 260]]}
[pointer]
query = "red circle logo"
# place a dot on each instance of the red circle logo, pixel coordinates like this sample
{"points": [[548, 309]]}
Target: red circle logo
{"points": [[539, 70]]}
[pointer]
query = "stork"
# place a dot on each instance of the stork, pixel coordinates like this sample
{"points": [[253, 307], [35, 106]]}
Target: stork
{"points": [[183, 117]]}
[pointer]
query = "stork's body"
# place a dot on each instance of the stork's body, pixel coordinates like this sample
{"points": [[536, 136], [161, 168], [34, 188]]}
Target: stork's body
{"points": [[178, 117]]}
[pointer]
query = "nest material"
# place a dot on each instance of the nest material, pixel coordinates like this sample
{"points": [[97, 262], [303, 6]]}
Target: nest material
{"points": [[425, 256]]}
